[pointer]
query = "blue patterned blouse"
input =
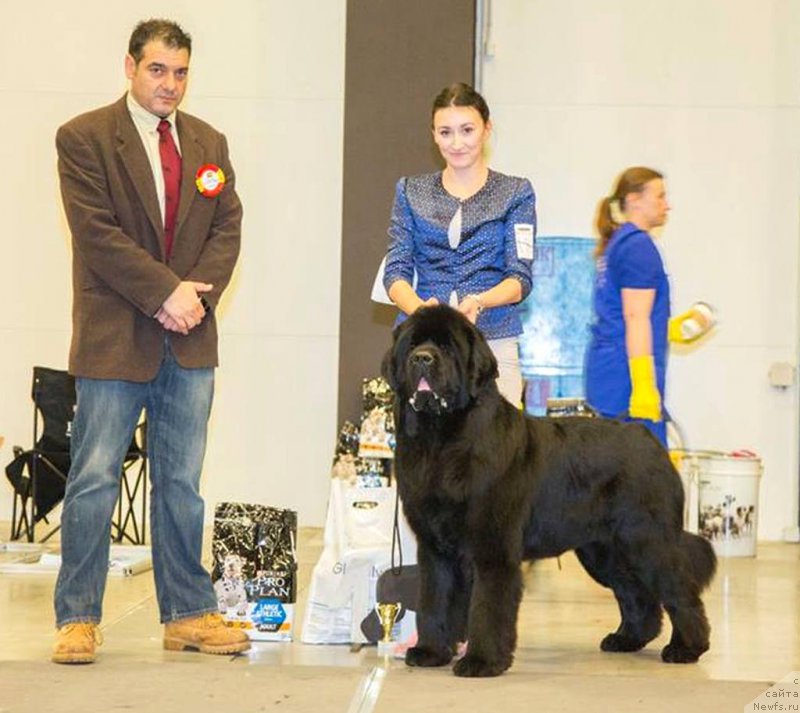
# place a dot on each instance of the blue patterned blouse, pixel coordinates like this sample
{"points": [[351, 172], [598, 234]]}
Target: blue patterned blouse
{"points": [[464, 247]]}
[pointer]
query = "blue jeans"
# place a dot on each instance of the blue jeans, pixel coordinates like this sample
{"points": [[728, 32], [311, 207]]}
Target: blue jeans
{"points": [[178, 404]]}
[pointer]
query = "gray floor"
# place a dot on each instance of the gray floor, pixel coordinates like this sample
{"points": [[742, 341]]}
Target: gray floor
{"points": [[754, 607]]}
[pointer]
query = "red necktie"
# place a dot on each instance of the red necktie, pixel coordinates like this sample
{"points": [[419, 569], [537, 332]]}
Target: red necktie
{"points": [[171, 166]]}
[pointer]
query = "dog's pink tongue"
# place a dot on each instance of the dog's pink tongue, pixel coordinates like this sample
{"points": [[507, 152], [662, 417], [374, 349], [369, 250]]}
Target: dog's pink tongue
{"points": [[423, 385]]}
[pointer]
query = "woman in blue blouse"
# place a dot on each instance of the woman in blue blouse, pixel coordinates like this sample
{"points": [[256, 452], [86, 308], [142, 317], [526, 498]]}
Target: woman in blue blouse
{"points": [[465, 233], [627, 356]]}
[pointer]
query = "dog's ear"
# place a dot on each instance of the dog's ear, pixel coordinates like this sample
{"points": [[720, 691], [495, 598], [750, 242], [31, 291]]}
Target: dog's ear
{"points": [[394, 357], [482, 365], [388, 369], [392, 369]]}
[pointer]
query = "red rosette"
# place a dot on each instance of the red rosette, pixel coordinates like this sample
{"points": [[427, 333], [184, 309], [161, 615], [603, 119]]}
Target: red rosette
{"points": [[210, 180]]}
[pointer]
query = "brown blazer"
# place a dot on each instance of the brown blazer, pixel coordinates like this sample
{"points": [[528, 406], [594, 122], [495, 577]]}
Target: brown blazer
{"points": [[119, 274]]}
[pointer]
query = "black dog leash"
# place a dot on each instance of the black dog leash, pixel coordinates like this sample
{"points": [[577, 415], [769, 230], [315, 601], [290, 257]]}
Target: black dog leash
{"points": [[397, 545]]}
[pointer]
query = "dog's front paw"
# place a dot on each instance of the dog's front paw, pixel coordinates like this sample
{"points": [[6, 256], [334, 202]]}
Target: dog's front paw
{"points": [[675, 653], [476, 667], [425, 656], [620, 642]]}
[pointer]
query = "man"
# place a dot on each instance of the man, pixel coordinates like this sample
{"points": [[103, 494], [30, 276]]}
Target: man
{"points": [[152, 252]]}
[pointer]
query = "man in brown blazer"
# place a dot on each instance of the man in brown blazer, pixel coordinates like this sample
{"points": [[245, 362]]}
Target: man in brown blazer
{"points": [[155, 220]]}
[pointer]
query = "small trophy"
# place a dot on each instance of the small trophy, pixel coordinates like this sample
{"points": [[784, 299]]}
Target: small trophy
{"points": [[387, 614]]}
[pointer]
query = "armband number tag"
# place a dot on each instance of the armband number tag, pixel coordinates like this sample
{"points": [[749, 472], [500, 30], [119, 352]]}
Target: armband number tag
{"points": [[523, 235]]}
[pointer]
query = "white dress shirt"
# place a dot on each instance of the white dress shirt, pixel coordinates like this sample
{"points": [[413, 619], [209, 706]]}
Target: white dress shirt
{"points": [[147, 125]]}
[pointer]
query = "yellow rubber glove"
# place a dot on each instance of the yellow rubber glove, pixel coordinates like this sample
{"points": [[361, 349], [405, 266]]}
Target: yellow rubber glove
{"points": [[674, 327], [645, 400], [692, 324]]}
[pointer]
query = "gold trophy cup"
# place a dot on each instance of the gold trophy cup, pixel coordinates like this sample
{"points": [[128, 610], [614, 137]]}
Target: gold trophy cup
{"points": [[387, 614]]}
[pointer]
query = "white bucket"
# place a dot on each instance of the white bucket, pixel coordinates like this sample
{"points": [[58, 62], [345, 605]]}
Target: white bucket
{"points": [[727, 512]]}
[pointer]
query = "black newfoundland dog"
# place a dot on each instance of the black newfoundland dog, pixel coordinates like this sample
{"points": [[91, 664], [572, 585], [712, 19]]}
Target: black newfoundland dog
{"points": [[485, 487]]}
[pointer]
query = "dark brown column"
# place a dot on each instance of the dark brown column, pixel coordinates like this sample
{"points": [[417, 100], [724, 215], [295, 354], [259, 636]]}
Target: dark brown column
{"points": [[399, 54]]}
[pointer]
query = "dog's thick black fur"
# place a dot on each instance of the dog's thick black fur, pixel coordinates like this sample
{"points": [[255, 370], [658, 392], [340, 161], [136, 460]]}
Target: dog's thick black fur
{"points": [[485, 487]]}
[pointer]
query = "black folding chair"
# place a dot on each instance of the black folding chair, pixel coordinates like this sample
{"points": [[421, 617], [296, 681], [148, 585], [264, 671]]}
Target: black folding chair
{"points": [[129, 524], [38, 476]]}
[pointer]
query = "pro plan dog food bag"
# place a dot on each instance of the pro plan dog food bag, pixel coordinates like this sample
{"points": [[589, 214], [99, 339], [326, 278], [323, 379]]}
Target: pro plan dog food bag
{"points": [[349, 465], [377, 435], [255, 569]]}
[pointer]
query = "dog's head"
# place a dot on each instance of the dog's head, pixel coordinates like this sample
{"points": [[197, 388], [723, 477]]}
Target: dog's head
{"points": [[232, 566], [439, 362]]}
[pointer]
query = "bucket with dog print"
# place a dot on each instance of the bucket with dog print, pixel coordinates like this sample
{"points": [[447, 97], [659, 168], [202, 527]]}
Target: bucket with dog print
{"points": [[727, 497]]}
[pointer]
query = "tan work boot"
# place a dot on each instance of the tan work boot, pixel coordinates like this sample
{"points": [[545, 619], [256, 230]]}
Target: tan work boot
{"points": [[76, 642], [207, 634]]}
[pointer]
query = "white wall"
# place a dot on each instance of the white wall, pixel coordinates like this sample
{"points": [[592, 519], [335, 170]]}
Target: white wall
{"points": [[270, 75], [708, 91]]}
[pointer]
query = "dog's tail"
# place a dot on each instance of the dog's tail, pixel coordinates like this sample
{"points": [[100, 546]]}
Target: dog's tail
{"points": [[701, 558]]}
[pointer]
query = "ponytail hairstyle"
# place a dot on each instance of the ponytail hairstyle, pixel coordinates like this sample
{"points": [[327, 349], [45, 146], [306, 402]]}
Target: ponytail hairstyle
{"points": [[611, 207]]}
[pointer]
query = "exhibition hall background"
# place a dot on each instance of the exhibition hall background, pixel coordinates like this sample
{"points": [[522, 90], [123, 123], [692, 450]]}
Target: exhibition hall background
{"points": [[326, 103]]}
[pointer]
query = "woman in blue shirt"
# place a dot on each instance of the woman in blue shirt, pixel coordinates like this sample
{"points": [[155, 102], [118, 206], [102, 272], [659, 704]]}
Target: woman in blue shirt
{"points": [[627, 356], [464, 236]]}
